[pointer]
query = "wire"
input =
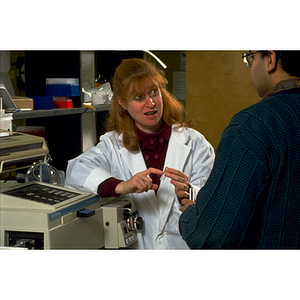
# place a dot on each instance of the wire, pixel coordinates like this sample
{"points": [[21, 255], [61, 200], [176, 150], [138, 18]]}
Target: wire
{"points": [[7, 177], [88, 106]]}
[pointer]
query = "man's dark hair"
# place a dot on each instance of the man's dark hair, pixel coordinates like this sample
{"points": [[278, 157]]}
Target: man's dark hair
{"points": [[289, 60]]}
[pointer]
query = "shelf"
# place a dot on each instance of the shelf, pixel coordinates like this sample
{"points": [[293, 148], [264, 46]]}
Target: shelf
{"points": [[41, 113]]}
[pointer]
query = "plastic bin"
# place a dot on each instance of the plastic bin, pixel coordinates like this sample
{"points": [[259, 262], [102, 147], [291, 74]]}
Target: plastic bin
{"points": [[43, 102], [62, 87]]}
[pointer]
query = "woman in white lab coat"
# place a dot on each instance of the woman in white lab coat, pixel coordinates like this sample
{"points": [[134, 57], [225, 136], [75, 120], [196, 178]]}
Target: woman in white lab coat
{"points": [[145, 134]]}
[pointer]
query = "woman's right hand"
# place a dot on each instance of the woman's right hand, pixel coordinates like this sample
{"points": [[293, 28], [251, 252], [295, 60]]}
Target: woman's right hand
{"points": [[139, 183]]}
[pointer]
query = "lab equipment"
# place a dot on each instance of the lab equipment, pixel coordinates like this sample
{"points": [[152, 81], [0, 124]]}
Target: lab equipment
{"points": [[100, 95], [8, 103], [19, 150], [99, 80], [37, 215], [44, 172], [120, 224], [5, 119]]}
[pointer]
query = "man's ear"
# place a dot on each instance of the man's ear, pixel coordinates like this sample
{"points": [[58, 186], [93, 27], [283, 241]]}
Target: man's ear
{"points": [[122, 103], [271, 61]]}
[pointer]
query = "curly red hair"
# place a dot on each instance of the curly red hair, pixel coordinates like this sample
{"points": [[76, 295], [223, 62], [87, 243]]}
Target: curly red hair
{"points": [[129, 77]]}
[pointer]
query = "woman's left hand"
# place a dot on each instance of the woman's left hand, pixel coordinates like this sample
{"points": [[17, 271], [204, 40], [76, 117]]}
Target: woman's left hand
{"points": [[180, 181]]}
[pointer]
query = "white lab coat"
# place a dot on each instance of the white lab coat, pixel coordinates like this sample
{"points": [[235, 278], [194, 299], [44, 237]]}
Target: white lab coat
{"points": [[188, 151]]}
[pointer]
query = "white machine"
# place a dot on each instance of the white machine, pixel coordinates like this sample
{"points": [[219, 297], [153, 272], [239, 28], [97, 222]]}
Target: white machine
{"points": [[120, 224], [38, 215], [19, 150]]}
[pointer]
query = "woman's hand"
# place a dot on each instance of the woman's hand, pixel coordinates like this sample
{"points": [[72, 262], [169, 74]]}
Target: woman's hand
{"points": [[139, 183], [180, 181]]}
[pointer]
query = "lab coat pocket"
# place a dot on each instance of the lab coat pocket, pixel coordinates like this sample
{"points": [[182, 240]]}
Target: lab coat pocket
{"points": [[172, 223]]}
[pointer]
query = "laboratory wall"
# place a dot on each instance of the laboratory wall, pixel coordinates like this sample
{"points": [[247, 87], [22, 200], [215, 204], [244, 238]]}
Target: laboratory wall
{"points": [[218, 85], [175, 64]]}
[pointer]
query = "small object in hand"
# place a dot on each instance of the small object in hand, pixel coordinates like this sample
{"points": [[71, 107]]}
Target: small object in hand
{"points": [[162, 177], [191, 194]]}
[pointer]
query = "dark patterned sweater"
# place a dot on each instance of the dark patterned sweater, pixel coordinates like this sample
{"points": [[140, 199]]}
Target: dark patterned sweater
{"points": [[252, 197]]}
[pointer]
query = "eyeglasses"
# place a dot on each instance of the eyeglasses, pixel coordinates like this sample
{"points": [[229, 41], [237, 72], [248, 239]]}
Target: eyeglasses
{"points": [[248, 58]]}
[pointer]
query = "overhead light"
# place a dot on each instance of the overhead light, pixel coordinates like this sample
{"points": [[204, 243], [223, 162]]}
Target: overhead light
{"points": [[156, 58]]}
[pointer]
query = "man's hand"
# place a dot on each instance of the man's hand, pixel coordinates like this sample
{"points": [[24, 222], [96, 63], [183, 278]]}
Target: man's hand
{"points": [[185, 203]]}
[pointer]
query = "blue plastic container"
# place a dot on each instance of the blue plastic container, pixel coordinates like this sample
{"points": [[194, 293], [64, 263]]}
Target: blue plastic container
{"points": [[62, 90], [67, 87], [43, 102]]}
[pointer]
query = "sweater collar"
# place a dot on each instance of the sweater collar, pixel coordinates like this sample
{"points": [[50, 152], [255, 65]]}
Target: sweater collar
{"points": [[163, 133], [283, 85]]}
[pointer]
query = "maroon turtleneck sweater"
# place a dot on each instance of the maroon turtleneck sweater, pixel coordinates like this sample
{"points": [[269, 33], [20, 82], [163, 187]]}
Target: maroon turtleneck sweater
{"points": [[154, 148]]}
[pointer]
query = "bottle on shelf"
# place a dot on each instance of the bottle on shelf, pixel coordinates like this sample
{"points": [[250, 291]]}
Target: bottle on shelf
{"points": [[99, 80]]}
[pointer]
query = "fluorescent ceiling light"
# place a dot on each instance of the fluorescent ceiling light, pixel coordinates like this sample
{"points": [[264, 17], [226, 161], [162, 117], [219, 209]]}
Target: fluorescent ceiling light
{"points": [[156, 58]]}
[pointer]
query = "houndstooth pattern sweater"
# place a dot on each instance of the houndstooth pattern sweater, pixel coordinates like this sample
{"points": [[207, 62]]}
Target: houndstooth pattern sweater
{"points": [[252, 197]]}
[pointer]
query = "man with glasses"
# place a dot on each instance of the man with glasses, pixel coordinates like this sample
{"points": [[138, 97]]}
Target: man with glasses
{"points": [[252, 197]]}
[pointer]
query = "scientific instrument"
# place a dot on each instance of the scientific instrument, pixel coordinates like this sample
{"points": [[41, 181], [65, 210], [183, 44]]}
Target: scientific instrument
{"points": [[39, 215]]}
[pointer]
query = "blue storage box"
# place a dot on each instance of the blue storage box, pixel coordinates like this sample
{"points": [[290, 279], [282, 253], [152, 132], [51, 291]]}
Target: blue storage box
{"points": [[62, 90], [62, 87], [43, 102]]}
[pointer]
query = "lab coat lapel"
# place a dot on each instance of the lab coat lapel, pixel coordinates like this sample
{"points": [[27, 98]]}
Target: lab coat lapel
{"points": [[176, 157], [178, 151], [136, 163]]}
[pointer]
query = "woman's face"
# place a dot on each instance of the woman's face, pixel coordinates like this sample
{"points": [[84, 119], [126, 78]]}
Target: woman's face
{"points": [[145, 106]]}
